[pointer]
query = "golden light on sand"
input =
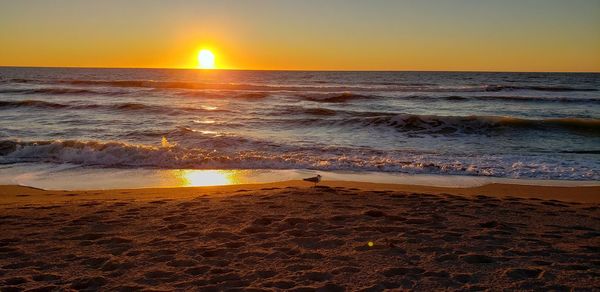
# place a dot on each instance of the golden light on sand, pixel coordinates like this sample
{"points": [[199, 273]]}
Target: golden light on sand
{"points": [[201, 178], [206, 59]]}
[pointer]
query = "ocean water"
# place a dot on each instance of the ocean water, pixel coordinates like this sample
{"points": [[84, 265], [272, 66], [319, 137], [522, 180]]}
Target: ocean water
{"points": [[506, 125]]}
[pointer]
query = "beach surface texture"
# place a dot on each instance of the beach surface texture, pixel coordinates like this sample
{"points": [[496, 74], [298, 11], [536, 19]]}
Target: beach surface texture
{"points": [[338, 236]]}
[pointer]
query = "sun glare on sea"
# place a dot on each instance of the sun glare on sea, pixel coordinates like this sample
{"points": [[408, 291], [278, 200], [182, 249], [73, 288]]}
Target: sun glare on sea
{"points": [[200, 178], [206, 59]]}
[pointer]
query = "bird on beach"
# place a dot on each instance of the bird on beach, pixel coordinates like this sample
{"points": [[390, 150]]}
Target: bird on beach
{"points": [[314, 179]]}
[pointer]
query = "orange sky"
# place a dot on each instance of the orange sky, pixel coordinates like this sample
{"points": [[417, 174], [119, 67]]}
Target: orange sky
{"points": [[530, 35]]}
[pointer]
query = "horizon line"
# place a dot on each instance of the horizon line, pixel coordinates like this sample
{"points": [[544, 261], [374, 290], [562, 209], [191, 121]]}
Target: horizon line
{"points": [[295, 70]]}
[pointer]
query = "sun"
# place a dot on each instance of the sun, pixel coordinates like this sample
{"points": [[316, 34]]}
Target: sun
{"points": [[206, 59]]}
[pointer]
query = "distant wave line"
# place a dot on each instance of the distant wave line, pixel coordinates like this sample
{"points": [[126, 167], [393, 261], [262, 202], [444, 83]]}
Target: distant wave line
{"points": [[324, 88], [126, 106]]}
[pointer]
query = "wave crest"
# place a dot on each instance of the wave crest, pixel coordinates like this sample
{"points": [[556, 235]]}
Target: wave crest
{"points": [[335, 97], [31, 103], [122, 155], [536, 88], [127, 106], [444, 125], [515, 98], [60, 91]]}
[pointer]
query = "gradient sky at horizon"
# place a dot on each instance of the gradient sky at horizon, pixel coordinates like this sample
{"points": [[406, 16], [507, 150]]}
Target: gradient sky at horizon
{"points": [[470, 35]]}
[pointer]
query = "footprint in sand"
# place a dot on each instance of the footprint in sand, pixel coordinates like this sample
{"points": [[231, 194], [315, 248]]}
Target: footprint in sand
{"points": [[517, 274], [46, 278], [155, 277], [477, 259], [197, 270], [88, 283]]}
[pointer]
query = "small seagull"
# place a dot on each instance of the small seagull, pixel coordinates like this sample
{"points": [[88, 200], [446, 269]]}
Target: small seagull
{"points": [[314, 179]]}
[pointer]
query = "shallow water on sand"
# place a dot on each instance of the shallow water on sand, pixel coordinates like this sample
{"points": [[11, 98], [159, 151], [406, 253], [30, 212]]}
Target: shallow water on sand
{"points": [[74, 177]]}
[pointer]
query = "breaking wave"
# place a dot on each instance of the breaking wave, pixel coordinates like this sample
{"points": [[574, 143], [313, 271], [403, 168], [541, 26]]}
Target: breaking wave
{"points": [[440, 125], [123, 155]]}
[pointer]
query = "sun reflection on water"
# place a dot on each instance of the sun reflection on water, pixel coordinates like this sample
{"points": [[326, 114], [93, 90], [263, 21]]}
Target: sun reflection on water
{"points": [[209, 107], [205, 121], [199, 178]]}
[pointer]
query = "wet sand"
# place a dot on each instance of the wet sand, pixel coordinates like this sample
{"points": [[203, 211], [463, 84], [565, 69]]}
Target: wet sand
{"points": [[289, 236]]}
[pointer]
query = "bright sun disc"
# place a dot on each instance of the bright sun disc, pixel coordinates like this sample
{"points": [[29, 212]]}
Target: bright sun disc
{"points": [[206, 59]]}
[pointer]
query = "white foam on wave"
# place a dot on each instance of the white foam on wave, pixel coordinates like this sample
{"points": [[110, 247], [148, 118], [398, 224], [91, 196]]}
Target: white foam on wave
{"points": [[122, 155]]}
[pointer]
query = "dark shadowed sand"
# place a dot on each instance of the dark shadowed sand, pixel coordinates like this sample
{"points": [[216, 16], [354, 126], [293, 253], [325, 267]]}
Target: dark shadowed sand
{"points": [[288, 236]]}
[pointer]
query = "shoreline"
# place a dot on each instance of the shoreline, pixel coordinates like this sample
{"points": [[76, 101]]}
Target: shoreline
{"points": [[582, 194], [73, 177]]}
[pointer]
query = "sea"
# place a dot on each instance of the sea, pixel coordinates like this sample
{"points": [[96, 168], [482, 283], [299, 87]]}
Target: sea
{"points": [[525, 126]]}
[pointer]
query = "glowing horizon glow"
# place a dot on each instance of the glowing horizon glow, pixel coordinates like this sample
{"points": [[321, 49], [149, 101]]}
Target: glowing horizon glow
{"points": [[206, 59]]}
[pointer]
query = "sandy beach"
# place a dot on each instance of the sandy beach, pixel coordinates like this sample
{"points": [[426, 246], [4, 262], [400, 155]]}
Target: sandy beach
{"points": [[290, 236]]}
